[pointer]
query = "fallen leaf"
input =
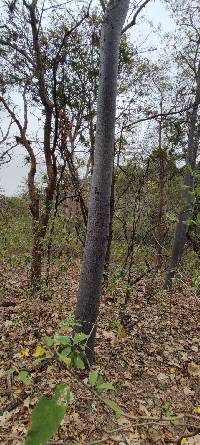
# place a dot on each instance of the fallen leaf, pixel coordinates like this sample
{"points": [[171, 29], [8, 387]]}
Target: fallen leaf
{"points": [[25, 352], [39, 352]]}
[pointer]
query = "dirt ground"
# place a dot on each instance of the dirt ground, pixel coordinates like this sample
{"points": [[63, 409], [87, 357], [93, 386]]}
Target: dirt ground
{"points": [[154, 364]]}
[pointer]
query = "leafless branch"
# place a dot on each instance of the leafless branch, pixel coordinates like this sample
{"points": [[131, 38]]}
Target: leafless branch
{"points": [[5, 157], [155, 116], [69, 32], [12, 114], [133, 21], [4, 137]]}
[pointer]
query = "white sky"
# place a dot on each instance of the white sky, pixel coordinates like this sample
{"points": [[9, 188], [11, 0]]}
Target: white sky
{"points": [[13, 175]]}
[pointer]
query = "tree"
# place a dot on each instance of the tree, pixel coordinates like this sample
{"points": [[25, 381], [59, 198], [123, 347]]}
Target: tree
{"points": [[32, 67], [192, 64], [88, 299]]}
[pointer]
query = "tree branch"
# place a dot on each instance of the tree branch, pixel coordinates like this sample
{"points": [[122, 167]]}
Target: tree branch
{"points": [[155, 116], [19, 50], [133, 21]]}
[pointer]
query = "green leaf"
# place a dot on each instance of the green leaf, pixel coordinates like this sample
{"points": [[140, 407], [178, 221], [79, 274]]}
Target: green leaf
{"points": [[65, 359], [189, 222], [46, 419], [105, 386], [172, 217], [49, 341], [197, 191], [24, 377], [122, 332], [79, 337], [78, 361], [11, 371], [100, 380], [167, 409], [198, 217], [67, 351], [69, 323], [93, 377], [62, 390], [114, 406], [62, 339]]}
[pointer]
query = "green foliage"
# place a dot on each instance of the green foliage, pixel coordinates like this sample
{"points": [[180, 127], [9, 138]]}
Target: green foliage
{"points": [[93, 378], [195, 285], [47, 417], [96, 381], [167, 409], [15, 224], [116, 325], [69, 323], [116, 282], [172, 217], [48, 414], [22, 375], [74, 354], [114, 406]]}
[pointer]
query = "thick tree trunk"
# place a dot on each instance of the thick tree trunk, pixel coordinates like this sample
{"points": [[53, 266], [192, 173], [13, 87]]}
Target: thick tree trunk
{"points": [[188, 206], [88, 300]]}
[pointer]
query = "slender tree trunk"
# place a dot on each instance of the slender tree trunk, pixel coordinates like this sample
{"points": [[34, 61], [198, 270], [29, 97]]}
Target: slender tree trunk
{"points": [[36, 266], [159, 232], [180, 232], [39, 232], [88, 300], [112, 211], [187, 210]]}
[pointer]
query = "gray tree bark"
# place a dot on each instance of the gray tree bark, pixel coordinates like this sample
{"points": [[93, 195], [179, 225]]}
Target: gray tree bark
{"points": [[188, 205], [88, 300]]}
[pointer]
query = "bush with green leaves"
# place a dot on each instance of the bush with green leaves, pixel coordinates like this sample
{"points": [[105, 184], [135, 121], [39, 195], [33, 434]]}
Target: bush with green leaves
{"points": [[48, 414]]}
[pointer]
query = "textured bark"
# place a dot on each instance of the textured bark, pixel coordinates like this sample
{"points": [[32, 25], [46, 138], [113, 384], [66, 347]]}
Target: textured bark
{"points": [[188, 206], [160, 231], [88, 300], [110, 236], [36, 266], [41, 219]]}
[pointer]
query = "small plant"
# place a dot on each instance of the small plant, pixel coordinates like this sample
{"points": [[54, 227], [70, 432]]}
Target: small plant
{"points": [[22, 375], [117, 326], [167, 409], [73, 355], [96, 381], [49, 413], [195, 285]]}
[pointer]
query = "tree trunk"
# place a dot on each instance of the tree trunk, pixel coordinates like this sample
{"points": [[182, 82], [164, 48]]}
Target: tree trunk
{"points": [[187, 210], [161, 159], [88, 300], [110, 236], [36, 266]]}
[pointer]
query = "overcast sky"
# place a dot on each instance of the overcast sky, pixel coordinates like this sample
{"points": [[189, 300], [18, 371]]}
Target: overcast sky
{"points": [[13, 175]]}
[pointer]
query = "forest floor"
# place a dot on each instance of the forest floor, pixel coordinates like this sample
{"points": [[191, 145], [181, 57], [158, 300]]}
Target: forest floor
{"points": [[154, 363]]}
